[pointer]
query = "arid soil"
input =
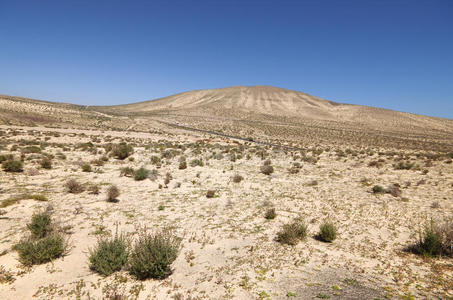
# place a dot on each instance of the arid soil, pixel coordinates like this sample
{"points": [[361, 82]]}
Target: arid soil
{"points": [[228, 249]]}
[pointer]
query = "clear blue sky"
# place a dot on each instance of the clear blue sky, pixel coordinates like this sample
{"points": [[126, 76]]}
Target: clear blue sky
{"points": [[395, 54]]}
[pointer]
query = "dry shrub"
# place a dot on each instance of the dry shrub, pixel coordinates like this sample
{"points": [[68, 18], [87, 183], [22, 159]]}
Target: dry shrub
{"points": [[267, 169], [292, 233], [270, 214], [112, 193], [237, 178], [210, 194], [74, 187]]}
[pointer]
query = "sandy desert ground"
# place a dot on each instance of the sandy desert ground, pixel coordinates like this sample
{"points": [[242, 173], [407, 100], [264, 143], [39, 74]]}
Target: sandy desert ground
{"points": [[228, 248]]}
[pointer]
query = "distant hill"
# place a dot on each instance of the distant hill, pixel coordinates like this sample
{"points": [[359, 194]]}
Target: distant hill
{"points": [[263, 112]]}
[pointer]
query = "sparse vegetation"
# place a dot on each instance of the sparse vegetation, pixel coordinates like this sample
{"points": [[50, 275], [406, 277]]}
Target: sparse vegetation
{"points": [[44, 244]]}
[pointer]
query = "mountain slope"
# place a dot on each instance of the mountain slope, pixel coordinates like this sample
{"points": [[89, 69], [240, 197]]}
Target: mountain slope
{"points": [[258, 112], [264, 103]]}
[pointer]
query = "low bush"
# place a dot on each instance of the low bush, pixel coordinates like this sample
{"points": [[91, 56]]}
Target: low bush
{"points": [[141, 174], [394, 190], [292, 233], [182, 165], [122, 151], [74, 187], [435, 240], [44, 244], [237, 178], [267, 162], [109, 255], [327, 232], [112, 193], [94, 189], [31, 149], [155, 160], [5, 157], [196, 162], [86, 167], [46, 163], [377, 189], [153, 255], [127, 171], [16, 199], [34, 252], [40, 225], [15, 166], [405, 165], [210, 194], [270, 214], [267, 169]]}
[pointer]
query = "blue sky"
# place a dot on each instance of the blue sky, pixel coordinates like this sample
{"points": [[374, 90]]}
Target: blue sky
{"points": [[395, 54]]}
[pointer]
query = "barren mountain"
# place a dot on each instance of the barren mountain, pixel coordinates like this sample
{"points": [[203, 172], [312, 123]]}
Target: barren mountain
{"points": [[259, 112]]}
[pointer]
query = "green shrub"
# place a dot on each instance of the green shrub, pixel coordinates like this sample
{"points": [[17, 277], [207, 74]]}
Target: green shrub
{"points": [[40, 225], [327, 232], [127, 171], [270, 214], [153, 255], [16, 199], [377, 189], [122, 151], [430, 241], [292, 233], [196, 162], [5, 157], [141, 174], [86, 167], [404, 165], [155, 160], [109, 255], [34, 252], [94, 189], [12, 166], [31, 149]]}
